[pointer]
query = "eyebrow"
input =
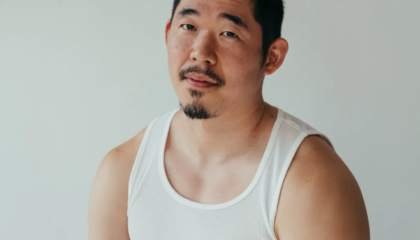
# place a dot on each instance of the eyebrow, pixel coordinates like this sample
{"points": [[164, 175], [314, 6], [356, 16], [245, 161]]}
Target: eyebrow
{"points": [[233, 18], [188, 11]]}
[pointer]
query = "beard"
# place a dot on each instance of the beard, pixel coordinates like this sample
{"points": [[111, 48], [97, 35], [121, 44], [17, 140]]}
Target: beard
{"points": [[196, 110]]}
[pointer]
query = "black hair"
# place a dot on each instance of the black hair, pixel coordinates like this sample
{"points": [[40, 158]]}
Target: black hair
{"points": [[269, 14]]}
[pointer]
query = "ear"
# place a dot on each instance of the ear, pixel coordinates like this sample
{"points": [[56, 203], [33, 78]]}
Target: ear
{"points": [[167, 28], [276, 55]]}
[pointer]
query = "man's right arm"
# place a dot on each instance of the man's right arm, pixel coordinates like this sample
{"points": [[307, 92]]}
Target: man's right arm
{"points": [[109, 194]]}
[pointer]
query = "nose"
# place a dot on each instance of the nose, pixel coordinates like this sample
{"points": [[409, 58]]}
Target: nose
{"points": [[203, 50]]}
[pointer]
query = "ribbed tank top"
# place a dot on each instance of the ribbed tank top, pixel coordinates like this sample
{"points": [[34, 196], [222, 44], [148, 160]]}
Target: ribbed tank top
{"points": [[156, 211]]}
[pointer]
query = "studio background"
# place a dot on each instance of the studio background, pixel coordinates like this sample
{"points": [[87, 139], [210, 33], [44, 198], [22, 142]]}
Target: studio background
{"points": [[78, 78]]}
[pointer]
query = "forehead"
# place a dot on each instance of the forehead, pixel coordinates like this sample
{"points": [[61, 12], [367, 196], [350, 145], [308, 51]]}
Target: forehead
{"points": [[209, 8]]}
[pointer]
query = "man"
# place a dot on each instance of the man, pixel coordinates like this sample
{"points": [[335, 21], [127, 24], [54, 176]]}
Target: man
{"points": [[216, 168]]}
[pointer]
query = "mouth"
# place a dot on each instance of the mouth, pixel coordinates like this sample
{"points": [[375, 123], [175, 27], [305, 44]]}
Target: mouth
{"points": [[200, 77], [200, 83]]}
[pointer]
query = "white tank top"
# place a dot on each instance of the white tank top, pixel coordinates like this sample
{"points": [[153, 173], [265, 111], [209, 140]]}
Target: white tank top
{"points": [[156, 211]]}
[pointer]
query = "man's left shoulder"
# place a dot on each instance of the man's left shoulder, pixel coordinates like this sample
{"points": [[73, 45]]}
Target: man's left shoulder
{"points": [[320, 195]]}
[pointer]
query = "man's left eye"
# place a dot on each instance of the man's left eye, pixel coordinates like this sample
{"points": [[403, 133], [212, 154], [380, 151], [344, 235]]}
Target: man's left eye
{"points": [[230, 34]]}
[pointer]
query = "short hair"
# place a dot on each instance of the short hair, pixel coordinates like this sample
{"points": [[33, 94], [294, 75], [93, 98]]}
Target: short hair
{"points": [[269, 14]]}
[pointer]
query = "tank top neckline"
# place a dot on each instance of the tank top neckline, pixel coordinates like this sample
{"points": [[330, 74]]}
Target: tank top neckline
{"points": [[176, 196]]}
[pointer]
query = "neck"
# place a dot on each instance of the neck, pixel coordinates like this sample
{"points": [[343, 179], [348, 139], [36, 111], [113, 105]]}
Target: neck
{"points": [[228, 136]]}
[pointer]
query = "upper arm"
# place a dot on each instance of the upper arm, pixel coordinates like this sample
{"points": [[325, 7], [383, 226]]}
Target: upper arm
{"points": [[109, 194], [320, 198]]}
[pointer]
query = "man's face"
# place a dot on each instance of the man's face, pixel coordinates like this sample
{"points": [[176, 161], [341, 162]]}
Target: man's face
{"points": [[217, 41]]}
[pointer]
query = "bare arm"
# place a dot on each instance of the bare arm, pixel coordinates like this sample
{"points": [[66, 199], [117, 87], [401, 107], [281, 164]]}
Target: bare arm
{"points": [[321, 199], [109, 195]]}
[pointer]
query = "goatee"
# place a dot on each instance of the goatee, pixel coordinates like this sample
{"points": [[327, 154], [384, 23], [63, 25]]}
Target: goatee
{"points": [[196, 110]]}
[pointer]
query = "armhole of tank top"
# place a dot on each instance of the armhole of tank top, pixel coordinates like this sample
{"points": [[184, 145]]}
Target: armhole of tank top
{"points": [[323, 136], [284, 171], [285, 168], [134, 170]]}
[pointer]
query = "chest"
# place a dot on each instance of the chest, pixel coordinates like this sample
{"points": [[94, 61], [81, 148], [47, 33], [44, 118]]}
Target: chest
{"points": [[177, 198], [209, 183]]}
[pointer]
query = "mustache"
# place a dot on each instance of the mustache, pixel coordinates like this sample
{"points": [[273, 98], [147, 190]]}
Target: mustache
{"points": [[208, 72]]}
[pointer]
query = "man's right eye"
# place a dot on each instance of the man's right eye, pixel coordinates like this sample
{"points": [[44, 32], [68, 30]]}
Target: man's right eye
{"points": [[188, 27]]}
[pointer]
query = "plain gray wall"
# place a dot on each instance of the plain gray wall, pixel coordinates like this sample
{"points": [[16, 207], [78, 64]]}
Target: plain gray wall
{"points": [[79, 77]]}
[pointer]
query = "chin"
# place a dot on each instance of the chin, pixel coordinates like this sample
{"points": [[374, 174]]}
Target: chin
{"points": [[197, 110]]}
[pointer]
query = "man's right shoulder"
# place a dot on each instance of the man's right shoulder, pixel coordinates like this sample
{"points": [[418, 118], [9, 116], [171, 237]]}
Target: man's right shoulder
{"points": [[117, 164], [109, 194], [124, 155]]}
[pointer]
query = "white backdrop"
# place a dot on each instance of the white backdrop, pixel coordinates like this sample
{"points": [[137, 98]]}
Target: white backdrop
{"points": [[79, 77]]}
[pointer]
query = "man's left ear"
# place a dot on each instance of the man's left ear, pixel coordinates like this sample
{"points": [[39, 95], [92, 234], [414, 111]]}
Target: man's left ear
{"points": [[276, 55]]}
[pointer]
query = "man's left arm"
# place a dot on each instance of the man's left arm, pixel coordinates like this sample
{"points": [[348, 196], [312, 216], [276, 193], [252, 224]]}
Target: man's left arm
{"points": [[321, 199]]}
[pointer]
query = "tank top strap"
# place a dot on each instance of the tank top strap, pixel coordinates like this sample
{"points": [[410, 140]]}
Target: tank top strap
{"points": [[147, 152], [291, 133]]}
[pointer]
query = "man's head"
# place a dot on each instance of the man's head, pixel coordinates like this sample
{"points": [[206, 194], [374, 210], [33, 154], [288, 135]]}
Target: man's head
{"points": [[269, 14], [232, 43]]}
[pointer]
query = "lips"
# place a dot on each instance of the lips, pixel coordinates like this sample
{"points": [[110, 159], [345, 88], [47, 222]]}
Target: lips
{"points": [[200, 83], [200, 78]]}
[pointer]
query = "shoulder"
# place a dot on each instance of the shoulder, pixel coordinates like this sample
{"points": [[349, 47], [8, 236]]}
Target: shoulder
{"points": [[320, 195], [117, 163], [122, 156], [109, 193]]}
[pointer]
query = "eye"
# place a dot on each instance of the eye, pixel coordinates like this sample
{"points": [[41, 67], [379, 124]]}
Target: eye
{"points": [[188, 27], [230, 34]]}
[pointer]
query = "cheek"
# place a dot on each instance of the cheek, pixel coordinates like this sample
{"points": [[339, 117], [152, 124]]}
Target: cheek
{"points": [[178, 53], [178, 47], [242, 66]]}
